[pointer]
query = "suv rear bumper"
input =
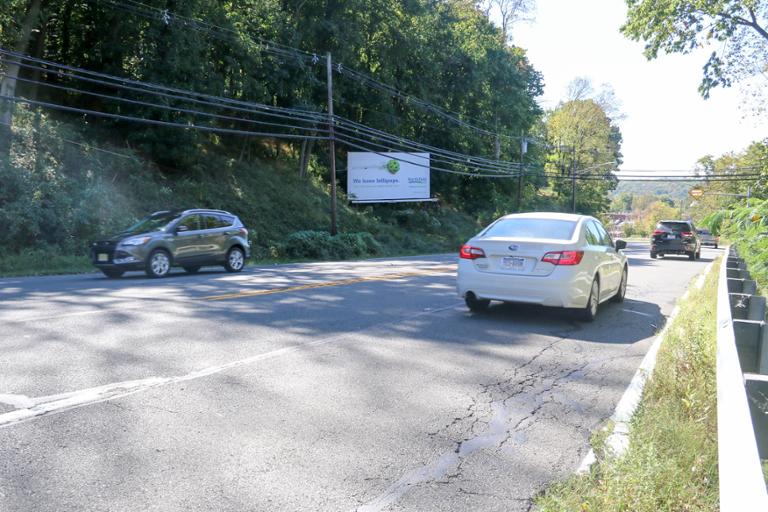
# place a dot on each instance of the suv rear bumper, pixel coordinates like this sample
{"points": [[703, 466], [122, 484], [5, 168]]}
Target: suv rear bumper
{"points": [[673, 248]]}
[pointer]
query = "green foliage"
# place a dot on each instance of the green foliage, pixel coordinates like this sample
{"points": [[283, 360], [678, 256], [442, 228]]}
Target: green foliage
{"points": [[59, 191], [471, 72], [671, 463], [736, 28], [585, 138], [321, 245]]}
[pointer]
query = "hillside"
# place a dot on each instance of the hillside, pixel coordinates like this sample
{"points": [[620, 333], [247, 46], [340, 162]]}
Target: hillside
{"points": [[62, 189], [675, 191]]}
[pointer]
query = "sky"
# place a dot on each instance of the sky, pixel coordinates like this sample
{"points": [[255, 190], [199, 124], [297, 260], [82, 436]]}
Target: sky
{"points": [[668, 126]]}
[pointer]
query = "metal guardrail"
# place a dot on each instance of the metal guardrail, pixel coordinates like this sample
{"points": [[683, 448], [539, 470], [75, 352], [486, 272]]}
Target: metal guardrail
{"points": [[742, 389]]}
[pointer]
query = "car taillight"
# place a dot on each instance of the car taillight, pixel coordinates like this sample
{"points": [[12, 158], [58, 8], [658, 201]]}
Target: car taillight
{"points": [[243, 232], [563, 257], [658, 232], [468, 252], [686, 233]]}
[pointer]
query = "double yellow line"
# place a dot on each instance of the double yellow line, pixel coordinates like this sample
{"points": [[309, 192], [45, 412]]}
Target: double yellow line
{"points": [[341, 282]]}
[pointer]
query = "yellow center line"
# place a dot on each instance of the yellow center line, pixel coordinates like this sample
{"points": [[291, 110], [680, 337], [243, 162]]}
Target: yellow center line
{"points": [[342, 282]]}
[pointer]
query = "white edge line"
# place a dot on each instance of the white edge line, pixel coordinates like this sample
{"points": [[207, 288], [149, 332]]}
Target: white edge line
{"points": [[53, 404], [618, 440]]}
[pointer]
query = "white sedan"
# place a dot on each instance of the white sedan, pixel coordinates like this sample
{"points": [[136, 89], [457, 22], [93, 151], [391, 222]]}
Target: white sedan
{"points": [[551, 259]]}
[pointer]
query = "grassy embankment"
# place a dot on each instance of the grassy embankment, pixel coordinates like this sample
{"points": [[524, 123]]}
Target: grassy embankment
{"points": [[671, 463], [62, 189]]}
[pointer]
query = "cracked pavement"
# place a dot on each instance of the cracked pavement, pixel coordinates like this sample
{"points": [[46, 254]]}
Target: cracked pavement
{"points": [[380, 394]]}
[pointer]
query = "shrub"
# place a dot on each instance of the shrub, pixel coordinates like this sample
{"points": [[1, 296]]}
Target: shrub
{"points": [[321, 245]]}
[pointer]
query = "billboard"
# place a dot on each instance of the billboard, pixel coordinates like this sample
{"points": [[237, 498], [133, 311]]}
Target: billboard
{"points": [[387, 177]]}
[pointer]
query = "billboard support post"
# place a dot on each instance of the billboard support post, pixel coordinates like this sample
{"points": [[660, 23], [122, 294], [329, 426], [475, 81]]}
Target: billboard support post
{"points": [[332, 144]]}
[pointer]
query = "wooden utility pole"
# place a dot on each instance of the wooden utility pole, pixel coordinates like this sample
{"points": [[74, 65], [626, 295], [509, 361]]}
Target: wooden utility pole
{"points": [[573, 180], [332, 144], [523, 151]]}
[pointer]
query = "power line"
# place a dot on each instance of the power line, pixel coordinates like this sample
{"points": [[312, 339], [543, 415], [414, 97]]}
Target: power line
{"points": [[186, 126], [75, 143], [162, 90], [162, 107]]}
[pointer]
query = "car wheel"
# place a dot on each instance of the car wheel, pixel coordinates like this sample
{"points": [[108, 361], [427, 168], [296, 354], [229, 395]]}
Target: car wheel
{"points": [[112, 274], [235, 260], [691, 255], [698, 254], [653, 255], [158, 263], [619, 297], [593, 304], [191, 270], [715, 246], [476, 305]]}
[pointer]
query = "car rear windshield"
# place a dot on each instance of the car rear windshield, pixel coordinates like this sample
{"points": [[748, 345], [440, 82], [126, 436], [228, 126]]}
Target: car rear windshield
{"points": [[676, 227], [553, 229]]}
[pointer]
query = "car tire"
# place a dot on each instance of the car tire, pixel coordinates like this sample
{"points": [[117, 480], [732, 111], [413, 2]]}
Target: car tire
{"points": [[593, 303], [158, 263], [691, 255], [112, 274], [476, 305], [698, 254], [235, 261], [715, 246], [191, 270], [653, 255], [622, 291]]}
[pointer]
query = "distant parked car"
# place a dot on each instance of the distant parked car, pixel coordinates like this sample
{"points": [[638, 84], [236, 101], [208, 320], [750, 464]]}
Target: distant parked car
{"points": [[551, 259], [707, 238], [675, 237], [185, 238]]}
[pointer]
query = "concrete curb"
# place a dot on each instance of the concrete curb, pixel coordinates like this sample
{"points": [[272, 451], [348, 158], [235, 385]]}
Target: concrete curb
{"points": [[618, 440]]}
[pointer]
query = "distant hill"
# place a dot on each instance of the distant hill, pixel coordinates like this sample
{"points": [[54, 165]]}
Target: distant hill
{"points": [[676, 191]]}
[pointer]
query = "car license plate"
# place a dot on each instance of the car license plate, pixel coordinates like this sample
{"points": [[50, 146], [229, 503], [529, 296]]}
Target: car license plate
{"points": [[513, 262], [103, 257], [670, 237]]}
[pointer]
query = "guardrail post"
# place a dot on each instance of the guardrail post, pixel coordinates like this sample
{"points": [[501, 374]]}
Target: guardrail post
{"points": [[757, 394]]}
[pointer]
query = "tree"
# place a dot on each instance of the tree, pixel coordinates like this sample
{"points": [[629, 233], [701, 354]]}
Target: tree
{"points": [[509, 12], [682, 26], [11, 73], [588, 144]]}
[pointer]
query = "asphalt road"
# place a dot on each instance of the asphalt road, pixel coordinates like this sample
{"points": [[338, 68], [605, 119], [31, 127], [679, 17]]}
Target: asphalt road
{"points": [[329, 386]]}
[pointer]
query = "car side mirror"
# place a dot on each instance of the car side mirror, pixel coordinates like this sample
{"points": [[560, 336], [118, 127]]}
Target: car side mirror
{"points": [[620, 244]]}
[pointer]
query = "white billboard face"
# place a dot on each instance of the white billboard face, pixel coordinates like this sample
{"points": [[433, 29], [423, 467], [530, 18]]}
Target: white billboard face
{"points": [[383, 177]]}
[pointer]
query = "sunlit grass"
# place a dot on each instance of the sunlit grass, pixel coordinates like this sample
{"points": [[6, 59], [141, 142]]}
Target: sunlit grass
{"points": [[671, 463]]}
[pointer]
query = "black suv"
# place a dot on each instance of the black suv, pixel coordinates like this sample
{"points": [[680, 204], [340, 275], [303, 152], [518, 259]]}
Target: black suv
{"points": [[675, 237], [185, 238]]}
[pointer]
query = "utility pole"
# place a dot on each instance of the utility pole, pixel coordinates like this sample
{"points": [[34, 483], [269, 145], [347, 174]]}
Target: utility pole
{"points": [[523, 151], [573, 180], [332, 144]]}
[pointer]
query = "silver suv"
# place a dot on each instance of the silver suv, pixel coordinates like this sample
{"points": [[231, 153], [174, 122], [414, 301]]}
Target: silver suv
{"points": [[184, 238]]}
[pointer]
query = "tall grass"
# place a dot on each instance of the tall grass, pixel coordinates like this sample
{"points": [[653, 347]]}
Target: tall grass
{"points": [[671, 463]]}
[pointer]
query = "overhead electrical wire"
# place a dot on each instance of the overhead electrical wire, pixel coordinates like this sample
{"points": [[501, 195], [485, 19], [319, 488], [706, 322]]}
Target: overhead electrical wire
{"points": [[169, 92], [186, 126], [356, 135]]}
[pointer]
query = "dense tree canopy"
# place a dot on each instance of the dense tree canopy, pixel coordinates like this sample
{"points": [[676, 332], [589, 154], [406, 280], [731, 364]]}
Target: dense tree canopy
{"points": [[447, 53]]}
